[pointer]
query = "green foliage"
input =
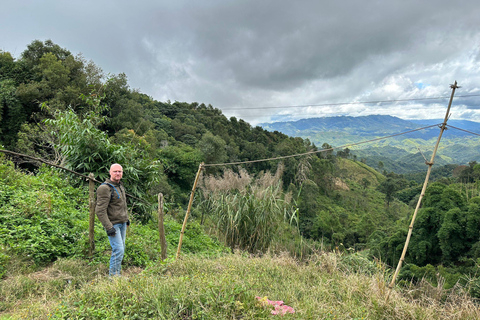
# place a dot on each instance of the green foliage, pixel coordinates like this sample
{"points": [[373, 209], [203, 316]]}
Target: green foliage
{"points": [[4, 259], [308, 207], [391, 185], [87, 148], [439, 276], [41, 216], [213, 148], [424, 247], [350, 212], [408, 194], [445, 231], [11, 112], [44, 218], [181, 164]]}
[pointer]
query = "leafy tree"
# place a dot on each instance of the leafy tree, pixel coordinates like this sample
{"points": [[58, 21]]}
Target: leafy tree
{"points": [[389, 187], [345, 153], [181, 163], [388, 247], [11, 113], [130, 116], [308, 207], [37, 49], [7, 66], [213, 148], [451, 235], [468, 175]]}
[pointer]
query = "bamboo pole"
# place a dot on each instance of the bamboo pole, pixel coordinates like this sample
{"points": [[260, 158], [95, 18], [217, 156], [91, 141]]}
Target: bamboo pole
{"points": [[200, 167], [161, 228], [91, 222], [427, 177]]}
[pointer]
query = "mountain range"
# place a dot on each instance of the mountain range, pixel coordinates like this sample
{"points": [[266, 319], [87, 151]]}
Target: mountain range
{"points": [[400, 145]]}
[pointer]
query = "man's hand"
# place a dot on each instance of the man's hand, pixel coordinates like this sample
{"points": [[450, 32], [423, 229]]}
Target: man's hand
{"points": [[111, 232]]}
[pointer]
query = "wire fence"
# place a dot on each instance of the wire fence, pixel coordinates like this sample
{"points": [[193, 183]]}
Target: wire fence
{"points": [[92, 180]]}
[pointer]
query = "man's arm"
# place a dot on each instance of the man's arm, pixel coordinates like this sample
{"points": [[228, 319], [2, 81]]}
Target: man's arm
{"points": [[103, 199]]}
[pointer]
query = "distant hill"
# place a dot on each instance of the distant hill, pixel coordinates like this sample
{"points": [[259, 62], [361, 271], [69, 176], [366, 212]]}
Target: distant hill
{"points": [[399, 153]]}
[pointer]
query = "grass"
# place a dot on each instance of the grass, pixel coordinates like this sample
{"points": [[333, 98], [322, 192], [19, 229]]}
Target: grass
{"points": [[327, 286]]}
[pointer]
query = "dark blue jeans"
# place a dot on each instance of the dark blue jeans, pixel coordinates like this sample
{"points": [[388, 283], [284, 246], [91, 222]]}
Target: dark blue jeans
{"points": [[118, 248]]}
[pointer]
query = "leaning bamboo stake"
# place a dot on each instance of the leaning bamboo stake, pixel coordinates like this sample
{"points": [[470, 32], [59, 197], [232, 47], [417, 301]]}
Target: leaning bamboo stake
{"points": [[161, 227], [427, 177], [200, 167]]}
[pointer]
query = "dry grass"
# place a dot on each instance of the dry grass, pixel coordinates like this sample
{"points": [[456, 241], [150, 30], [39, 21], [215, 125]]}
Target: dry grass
{"points": [[324, 287]]}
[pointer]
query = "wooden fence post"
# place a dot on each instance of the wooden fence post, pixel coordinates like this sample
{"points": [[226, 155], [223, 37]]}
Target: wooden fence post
{"points": [[91, 225], [161, 227]]}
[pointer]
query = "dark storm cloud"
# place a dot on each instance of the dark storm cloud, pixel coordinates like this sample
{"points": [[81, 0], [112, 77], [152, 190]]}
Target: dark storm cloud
{"points": [[235, 54]]}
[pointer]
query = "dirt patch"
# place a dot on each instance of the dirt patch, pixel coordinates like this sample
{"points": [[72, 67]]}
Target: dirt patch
{"points": [[49, 274], [340, 185]]}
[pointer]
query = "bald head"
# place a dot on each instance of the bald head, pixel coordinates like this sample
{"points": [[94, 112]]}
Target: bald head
{"points": [[116, 172]]}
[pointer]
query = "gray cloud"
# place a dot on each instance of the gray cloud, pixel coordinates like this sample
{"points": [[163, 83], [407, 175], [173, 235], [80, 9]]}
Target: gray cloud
{"points": [[246, 54]]}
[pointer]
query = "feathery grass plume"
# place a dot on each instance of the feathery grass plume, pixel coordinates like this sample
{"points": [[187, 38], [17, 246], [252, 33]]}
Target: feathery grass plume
{"points": [[246, 213]]}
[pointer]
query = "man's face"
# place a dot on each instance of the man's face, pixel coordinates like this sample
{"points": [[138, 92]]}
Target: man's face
{"points": [[116, 173]]}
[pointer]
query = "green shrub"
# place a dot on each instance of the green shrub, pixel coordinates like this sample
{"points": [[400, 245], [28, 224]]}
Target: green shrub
{"points": [[4, 259], [41, 217]]}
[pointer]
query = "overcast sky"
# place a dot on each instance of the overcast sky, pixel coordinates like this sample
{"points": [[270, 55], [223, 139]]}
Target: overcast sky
{"points": [[249, 58]]}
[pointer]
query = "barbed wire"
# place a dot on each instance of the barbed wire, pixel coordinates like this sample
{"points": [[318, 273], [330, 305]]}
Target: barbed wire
{"points": [[348, 103], [62, 168], [317, 151], [477, 134]]}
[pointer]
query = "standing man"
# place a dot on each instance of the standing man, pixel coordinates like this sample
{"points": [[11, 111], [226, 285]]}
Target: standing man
{"points": [[111, 210]]}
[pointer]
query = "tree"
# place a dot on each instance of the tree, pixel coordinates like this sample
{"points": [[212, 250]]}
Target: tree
{"points": [[328, 153], [11, 113], [451, 235], [213, 148], [389, 187], [380, 165], [181, 164], [7, 66], [37, 49], [308, 207]]}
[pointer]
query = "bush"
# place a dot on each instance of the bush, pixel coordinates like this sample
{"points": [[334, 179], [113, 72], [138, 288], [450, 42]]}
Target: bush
{"points": [[41, 217], [4, 259]]}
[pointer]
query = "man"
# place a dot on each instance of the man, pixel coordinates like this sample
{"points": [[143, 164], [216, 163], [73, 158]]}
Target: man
{"points": [[111, 210]]}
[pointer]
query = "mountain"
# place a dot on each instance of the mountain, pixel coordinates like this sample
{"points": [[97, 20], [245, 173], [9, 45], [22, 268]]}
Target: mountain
{"points": [[401, 145]]}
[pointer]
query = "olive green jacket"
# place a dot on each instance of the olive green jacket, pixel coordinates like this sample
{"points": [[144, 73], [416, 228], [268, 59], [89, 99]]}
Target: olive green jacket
{"points": [[111, 207]]}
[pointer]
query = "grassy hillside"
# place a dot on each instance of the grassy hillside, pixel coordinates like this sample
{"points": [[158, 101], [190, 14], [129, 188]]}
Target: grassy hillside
{"points": [[327, 286], [356, 171]]}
